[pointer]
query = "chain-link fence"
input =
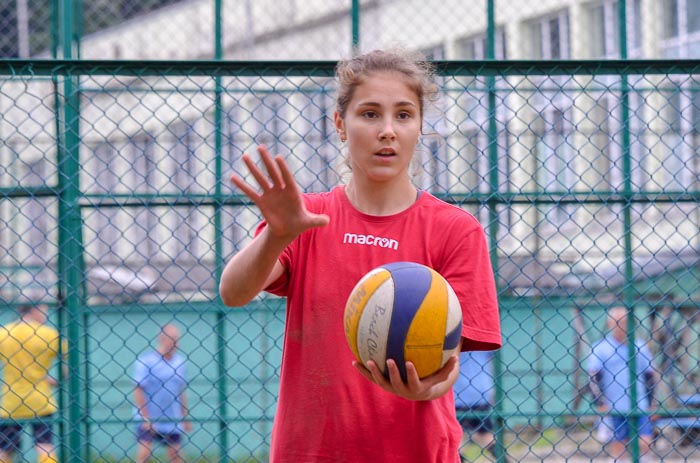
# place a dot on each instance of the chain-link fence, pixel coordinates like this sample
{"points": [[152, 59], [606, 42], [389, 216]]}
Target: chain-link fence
{"points": [[327, 30], [116, 209]]}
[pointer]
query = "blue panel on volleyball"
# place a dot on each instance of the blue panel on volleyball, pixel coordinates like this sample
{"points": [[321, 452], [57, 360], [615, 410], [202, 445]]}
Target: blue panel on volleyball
{"points": [[411, 284], [453, 338]]}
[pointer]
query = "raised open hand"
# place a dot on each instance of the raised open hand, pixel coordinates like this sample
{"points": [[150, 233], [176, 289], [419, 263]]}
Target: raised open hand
{"points": [[278, 197]]}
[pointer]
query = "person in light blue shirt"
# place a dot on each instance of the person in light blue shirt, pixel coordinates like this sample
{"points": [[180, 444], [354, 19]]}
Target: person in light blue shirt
{"points": [[161, 405], [474, 393], [608, 367]]}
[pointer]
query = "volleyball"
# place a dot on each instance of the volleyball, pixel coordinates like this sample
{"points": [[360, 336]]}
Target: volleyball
{"points": [[407, 312]]}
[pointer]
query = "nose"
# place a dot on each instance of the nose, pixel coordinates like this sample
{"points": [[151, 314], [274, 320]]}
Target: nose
{"points": [[387, 131]]}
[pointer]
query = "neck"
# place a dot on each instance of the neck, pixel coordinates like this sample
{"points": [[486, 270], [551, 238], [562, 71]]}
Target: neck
{"points": [[382, 199]]}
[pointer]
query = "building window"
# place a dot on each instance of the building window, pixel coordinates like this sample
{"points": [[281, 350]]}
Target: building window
{"points": [[603, 29], [184, 181], [469, 165], [268, 116], [104, 225], [233, 222], [475, 47], [676, 157], [434, 53], [680, 39], [313, 125], [548, 37], [554, 153], [142, 232], [34, 212], [9, 44], [681, 28]]}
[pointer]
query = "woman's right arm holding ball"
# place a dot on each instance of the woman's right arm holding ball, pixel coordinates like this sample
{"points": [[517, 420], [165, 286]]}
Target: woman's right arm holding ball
{"points": [[286, 217]]}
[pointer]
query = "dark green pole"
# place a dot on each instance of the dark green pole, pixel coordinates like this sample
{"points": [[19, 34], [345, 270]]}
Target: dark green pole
{"points": [[77, 34], [222, 383], [55, 27], [69, 233], [628, 291], [355, 17], [58, 124], [493, 215]]}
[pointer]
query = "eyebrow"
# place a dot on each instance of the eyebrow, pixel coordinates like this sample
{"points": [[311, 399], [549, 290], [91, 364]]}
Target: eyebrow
{"points": [[397, 104]]}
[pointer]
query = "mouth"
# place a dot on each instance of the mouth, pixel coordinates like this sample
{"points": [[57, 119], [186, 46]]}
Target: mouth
{"points": [[386, 152]]}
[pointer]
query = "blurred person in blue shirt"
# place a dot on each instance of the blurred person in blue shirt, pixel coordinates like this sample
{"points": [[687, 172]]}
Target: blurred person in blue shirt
{"points": [[161, 405], [608, 367], [474, 393]]}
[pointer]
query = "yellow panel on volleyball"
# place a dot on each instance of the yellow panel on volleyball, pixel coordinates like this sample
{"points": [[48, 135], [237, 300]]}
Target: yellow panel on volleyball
{"points": [[426, 335]]}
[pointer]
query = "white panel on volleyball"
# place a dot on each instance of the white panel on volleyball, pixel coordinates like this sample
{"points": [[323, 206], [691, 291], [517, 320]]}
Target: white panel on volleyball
{"points": [[454, 319], [375, 320]]}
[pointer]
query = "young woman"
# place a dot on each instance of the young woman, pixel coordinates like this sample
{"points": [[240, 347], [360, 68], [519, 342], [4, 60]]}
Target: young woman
{"points": [[327, 410]]}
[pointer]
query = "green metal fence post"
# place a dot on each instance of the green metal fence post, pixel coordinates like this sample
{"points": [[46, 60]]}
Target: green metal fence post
{"points": [[62, 322], [355, 18], [628, 290], [55, 28], [222, 382], [493, 212], [70, 242]]}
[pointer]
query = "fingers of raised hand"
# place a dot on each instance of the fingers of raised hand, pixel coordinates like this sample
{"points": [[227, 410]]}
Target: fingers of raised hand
{"points": [[264, 181], [272, 166], [278, 174], [244, 187], [286, 175]]}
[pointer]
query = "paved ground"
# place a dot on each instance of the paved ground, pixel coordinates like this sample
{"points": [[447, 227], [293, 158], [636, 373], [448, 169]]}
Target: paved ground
{"points": [[580, 446]]}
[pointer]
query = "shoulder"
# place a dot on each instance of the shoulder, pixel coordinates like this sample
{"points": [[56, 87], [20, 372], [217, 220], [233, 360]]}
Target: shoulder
{"points": [[602, 346], [47, 332], [321, 201], [147, 358], [10, 327], [6, 329], [448, 214]]}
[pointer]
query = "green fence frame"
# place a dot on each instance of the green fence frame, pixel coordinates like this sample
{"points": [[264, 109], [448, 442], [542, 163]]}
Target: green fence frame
{"points": [[74, 311], [74, 314]]}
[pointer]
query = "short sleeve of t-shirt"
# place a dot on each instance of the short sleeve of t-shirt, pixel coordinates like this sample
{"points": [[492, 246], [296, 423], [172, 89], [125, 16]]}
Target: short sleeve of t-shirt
{"points": [[279, 286]]}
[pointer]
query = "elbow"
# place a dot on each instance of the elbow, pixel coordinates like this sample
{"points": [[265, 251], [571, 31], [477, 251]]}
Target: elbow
{"points": [[233, 298], [228, 300]]}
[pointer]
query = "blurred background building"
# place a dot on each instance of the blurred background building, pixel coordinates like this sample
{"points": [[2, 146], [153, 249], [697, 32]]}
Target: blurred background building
{"points": [[544, 144]]}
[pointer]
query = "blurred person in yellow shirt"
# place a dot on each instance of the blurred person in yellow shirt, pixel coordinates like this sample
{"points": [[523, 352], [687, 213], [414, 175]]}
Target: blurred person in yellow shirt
{"points": [[28, 348]]}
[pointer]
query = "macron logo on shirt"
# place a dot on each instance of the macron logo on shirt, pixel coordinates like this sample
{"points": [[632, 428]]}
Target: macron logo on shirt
{"points": [[370, 240]]}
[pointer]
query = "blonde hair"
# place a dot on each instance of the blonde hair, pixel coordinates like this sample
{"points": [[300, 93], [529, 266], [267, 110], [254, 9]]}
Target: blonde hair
{"points": [[418, 75]]}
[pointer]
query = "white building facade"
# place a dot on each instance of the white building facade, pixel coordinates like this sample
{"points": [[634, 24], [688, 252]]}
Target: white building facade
{"points": [[555, 135]]}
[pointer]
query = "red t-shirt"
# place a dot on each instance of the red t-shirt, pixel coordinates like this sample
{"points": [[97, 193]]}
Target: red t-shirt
{"points": [[327, 411]]}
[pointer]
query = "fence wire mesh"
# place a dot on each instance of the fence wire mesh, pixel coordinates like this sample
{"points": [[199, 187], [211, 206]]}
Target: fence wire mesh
{"points": [[116, 210]]}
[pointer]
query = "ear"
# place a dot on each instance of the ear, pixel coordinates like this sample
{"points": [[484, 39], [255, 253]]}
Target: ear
{"points": [[339, 125]]}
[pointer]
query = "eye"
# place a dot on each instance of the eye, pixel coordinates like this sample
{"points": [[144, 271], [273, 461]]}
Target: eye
{"points": [[369, 114], [404, 115]]}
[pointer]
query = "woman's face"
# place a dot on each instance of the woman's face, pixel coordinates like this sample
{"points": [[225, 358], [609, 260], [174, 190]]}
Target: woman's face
{"points": [[382, 124]]}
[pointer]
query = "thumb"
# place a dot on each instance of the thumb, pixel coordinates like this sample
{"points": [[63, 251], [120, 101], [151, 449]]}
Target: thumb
{"points": [[319, 220]]}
